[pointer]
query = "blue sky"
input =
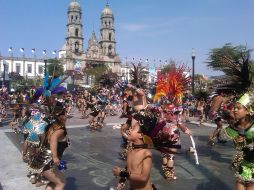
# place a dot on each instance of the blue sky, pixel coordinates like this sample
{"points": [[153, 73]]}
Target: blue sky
{"points": [[146, 29]]}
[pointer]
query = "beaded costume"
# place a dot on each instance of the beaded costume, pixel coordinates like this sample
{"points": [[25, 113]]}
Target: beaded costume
{"points": [[43, 160], [243, 161]]}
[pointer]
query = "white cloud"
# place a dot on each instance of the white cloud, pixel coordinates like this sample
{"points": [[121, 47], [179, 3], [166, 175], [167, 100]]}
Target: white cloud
{"points": [[133, 27]]}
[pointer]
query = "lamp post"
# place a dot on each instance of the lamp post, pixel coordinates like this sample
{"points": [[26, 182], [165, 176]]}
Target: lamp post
{"points": [[193, 55], [45, 66]]}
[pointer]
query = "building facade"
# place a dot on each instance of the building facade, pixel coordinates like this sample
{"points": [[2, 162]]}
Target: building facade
{"points": [[102, 51], [73, 54]]}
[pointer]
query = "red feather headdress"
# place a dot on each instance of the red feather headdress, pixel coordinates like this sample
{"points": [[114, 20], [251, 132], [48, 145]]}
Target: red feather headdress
{"points": [[172, 84]]}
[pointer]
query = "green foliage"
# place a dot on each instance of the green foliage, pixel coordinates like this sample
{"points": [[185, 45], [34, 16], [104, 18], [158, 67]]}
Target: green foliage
{"points": [[108, 79], [96, 71], [14, 76], [139, 75], [55, 68], [201, 94], [235, 62]]}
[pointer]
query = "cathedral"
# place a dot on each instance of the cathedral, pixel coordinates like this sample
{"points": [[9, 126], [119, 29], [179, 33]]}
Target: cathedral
{"points": [[102, 51], [72, 54]]}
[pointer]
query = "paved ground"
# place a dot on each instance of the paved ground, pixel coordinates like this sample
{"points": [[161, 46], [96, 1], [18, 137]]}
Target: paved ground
{"points": [[92, 155]]}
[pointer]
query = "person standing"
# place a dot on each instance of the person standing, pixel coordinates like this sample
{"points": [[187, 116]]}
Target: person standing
{"points": [[139, 163], [52, 148], [241, 132]]}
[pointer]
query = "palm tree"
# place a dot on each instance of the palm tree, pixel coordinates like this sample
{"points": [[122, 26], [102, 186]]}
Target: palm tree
{"points": [[108, 79], [139, 75], [55, 68], [235, 62]]}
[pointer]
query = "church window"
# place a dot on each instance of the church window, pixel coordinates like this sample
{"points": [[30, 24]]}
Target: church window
{"points": [[76, 32], [109, 23], [110, 49], [109, 36], [76, 46]]}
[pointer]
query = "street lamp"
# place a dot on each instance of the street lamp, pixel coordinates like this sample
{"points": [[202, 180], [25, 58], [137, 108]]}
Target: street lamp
{"points": [[193, 55]]}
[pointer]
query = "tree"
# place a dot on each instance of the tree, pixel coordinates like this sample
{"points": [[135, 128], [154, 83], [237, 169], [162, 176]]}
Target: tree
{"points": [[55, 68], [95, 70], [139, 75], [108, 79], [14, 76], [235, 62], [75, 75]]}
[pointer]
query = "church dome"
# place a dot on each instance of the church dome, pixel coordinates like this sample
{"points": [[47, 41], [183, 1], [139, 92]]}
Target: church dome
{"points": [[74, 5], [107, 11]]}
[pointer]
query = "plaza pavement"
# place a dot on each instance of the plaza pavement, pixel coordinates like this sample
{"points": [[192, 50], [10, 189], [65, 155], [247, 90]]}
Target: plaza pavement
{"points": [[92, 155]]}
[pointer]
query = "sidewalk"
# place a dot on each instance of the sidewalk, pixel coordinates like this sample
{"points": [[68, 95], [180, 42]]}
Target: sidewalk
{"points": [[13, 169]]}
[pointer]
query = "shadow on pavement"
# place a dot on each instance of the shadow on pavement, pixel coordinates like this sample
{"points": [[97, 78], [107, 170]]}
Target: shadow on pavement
{"points": [[71, 183]]}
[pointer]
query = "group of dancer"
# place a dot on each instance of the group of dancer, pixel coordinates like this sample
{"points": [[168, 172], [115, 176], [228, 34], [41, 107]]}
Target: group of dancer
{"points": [[40, 115], [97, 106], [158, 127]]}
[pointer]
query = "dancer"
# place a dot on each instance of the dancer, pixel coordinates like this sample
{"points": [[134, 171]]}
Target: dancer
{"points": [[139, 161], [51, 150], [127, 112], [101, 103], [169, 92], [215, 112], [241, 134], [94, 112], [170, 138]]}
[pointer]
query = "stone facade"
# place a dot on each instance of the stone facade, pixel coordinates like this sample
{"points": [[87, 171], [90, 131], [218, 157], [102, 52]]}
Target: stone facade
{"points": [[98, 52], [72, 54]]}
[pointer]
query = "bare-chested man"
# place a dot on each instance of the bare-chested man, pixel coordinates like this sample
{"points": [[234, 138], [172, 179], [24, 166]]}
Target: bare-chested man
{"points": [[139, 102], [139, 163], [214, 114]]}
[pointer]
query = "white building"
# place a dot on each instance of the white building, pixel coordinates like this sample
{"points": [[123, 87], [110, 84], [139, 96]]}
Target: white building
{"points": [[102, 51]]}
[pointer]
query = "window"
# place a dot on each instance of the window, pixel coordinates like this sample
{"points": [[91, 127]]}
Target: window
{"points": [[40, 69], [29, 68], [109, 50], [109, 36], [17, 67], [76, 46], [76, 32]]}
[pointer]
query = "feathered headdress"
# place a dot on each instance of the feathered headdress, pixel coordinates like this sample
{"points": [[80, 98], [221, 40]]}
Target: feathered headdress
{"points": [[172, 84], [247, 100]]}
